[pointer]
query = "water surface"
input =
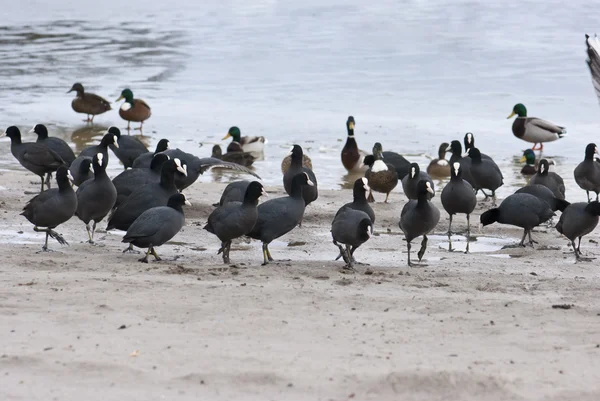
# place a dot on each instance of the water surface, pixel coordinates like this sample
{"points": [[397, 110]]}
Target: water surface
{"points": [[412, 73]]}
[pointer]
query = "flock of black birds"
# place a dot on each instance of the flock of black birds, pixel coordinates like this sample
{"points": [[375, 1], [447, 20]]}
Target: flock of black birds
{"points": [[146, 199]]}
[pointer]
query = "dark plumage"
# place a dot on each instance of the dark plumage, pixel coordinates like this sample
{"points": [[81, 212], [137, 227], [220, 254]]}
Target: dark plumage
{"points": [[310, 194], [277, 217], [240, 157], [197, 166], [587, 173], [465, 162], [129, 148], [88, 103], [147, 196], [411, 180], [458, 197], [56, 144], [382, 176], [95, 198], [131, 180], [81, 170], [521, 210], [35, 157], [234, 192], [361, 193], [157, 225], [544, 193], [549, 179], [578, 220], [235, 219], [102, 147], [469, 141], [351, 228], [52, 207], [145, 159], [419, 217], [485, 173]]}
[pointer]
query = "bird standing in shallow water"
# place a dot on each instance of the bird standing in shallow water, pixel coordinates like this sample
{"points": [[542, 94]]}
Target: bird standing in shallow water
{"points": [[458, 197], [239, 143], [88, 103], [133, 109], [534, 130]]}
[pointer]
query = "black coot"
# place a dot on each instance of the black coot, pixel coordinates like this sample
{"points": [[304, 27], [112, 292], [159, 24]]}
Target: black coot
{"points": [[145, 159], [577, 220], [350, 228], [81, 170], [310, 194], [521, 210], [35, 157], [587, 173], [130, 180], [95, 198], [277, 217], [235, 219], [458, 197], [419, 217], [234, 192], [52, 207], [411, 180], [549, 179], [107, 140], [129, 147], [157, 225]]}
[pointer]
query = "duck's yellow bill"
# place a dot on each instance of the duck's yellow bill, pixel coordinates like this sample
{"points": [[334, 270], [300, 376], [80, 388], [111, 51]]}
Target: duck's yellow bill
{"points": [[511, 114], [226, 136], [120, 98], [351, 125], [523, 158]]}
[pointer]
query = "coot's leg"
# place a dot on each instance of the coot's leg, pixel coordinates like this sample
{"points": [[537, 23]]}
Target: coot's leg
{"points": [[145, 258], [423, 248], [154, 253], [265, 255]]}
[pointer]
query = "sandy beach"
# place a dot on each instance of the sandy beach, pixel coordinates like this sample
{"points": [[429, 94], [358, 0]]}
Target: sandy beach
{"points": [[91, 323]]}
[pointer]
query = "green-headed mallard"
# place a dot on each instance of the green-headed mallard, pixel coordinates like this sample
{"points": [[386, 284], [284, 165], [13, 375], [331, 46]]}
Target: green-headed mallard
{"points": [[132, 109], [242, 158], [352, 156], [382, 177], [88, 103], [534, 130], [440, 167], [530, 166], [254, 144]]}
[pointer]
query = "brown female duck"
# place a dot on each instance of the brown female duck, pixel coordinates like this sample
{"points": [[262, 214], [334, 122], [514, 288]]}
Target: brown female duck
{"points": [[88, 103], [440, 167]]}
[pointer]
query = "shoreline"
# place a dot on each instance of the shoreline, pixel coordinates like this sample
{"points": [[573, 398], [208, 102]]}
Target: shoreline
{"points": [[91, 322]]}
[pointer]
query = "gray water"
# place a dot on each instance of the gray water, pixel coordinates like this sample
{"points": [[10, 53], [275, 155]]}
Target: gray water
{"points": [[412, 73]]}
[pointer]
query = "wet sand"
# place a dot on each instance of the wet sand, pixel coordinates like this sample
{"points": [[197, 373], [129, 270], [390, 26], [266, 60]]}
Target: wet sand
{"points": [[91, 323]]}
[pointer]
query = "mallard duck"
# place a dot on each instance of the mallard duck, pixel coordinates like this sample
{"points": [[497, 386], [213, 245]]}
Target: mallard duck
{"points": [[287, 162], [88, 103], [534, 130], [530, 167], [254, 144], [242, 158], [382, 177], [352, 156], [440, 167], [132, 109]]}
